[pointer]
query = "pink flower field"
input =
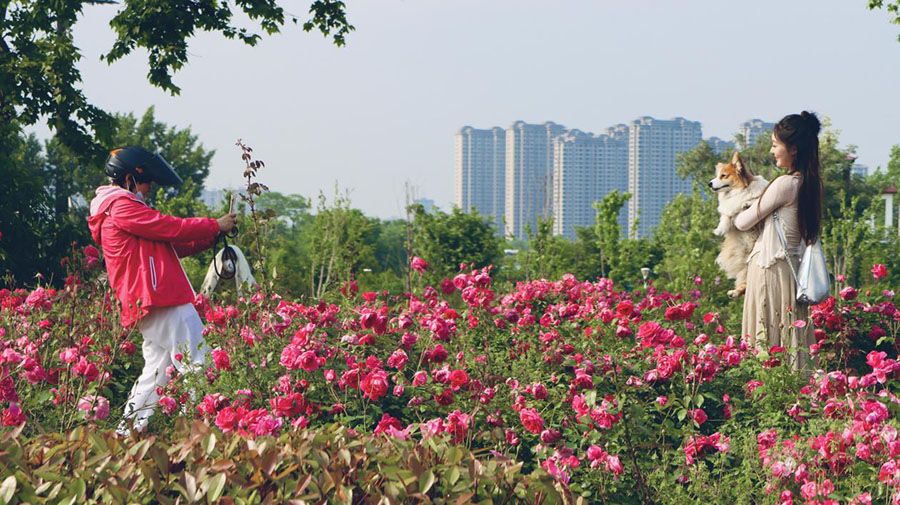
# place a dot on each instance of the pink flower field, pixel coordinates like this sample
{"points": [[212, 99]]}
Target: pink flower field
{"points": [[621, 397]]}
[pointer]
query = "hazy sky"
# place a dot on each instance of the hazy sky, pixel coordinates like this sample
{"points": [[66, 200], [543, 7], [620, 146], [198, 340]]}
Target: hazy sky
{"points": [[382, 110]]}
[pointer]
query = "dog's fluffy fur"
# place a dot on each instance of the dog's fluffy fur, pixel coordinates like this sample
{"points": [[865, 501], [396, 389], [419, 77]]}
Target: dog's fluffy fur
{"points": [[737, 187]]}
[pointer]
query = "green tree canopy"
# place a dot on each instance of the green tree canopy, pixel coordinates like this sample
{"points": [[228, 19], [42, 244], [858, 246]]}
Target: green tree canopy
{"points": [[50, 186], [39, 76], [893, 8], [447, 239]]}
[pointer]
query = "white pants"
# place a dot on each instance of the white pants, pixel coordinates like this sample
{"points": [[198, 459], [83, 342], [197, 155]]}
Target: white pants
{"points": [[167, 331]]}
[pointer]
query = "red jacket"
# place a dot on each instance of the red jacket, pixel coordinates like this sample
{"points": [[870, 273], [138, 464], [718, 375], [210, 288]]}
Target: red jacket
{"points": [[141, 248]]}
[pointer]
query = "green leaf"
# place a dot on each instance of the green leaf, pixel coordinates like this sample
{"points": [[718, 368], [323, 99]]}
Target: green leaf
{"points": [[390, 472], [7, 489], [44, 397], [80, 487], [453, 475], [209, 443], [216, 486], [682, 414], [454, 455], [426, 480]]}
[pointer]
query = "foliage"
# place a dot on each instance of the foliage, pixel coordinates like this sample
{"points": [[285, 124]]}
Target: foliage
{"points": [[338, 245], [179, 146], [163, 29], [699, 164], [37, 228], [39, 76], [451, 239], [620, 397], [892, 6], [845, 240], [197, 463], [690, 249], [52, 185], [891, 173]]}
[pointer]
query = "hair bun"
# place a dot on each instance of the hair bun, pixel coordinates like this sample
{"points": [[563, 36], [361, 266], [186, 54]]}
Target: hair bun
{"points": [[812, 121]]}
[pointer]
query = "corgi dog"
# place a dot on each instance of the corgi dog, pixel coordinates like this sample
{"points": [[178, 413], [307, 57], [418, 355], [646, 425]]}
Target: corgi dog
{"points": [[737, 188]]}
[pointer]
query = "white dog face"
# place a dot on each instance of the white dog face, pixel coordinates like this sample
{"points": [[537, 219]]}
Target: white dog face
{"points": [[731, 175]]}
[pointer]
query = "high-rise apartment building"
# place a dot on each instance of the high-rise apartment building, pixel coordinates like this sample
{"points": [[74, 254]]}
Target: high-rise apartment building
{"points": [[751, 130], [860, 170], [586, 167], [720, 146], [652, 147], [529, 174], [479, 172]]}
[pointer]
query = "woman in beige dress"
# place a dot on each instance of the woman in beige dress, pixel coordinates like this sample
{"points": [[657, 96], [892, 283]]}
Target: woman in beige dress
{"points": [[771, 310]]}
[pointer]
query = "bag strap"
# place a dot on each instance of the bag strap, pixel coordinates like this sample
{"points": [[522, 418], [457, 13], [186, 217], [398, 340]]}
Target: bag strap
{"points": [[787, 255]]}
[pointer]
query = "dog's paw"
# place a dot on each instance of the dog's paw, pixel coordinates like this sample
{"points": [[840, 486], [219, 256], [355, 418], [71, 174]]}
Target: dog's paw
{"points": [[749, 203], [720, 231], [736, 293]]}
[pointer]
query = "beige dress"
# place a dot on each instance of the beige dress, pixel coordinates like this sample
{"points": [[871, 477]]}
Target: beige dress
{"points": [[770, 306]]}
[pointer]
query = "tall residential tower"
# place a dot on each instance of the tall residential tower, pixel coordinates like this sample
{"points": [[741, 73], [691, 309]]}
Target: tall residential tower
{"points": [[529, 174], [479, 172], [653, 145], [751, 129], [586, 167]]}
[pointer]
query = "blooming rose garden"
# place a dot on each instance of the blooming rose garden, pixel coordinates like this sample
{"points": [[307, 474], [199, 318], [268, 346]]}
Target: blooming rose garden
{"points": [[551, 391]]}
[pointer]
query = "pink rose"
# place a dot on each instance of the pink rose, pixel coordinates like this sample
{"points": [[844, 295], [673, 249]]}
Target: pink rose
{"points": [[613, 464], [550, 436], [699, 416], [96, 408], [221, 359], [531, 420], [438, 354], [418, 264], [168, 405], [447, 287], [398, 359], [849, 293], [879, 271], [375, 385], [86, 369], [12, 415], [458, 379], [226, 419], [309, 361], [127, 347]]}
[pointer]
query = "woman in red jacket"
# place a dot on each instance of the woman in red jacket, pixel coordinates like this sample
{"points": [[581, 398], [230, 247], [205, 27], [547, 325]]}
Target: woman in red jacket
{"points": [[141, 248]]}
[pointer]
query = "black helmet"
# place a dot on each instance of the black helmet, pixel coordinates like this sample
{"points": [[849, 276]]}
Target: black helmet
{"points": [[142, 164]]}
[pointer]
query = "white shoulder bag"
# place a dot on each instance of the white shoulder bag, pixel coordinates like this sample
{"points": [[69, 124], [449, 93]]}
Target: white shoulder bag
{"points": [[813, 280]]}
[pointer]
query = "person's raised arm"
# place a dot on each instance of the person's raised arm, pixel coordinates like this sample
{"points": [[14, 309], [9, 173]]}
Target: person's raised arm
{"points": [[142, 221], [781, 192]]}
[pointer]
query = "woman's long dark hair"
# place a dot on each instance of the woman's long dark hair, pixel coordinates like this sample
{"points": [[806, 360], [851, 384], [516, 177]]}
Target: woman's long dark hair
{"points": [[801, 132]]}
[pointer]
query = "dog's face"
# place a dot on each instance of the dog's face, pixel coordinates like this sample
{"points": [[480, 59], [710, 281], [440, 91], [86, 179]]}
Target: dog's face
{"points": [[731, 175]]}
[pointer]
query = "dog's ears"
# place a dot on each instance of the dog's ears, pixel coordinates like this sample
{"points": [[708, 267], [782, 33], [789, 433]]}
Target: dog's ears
{"points": [[737, 162], [741, 168]]}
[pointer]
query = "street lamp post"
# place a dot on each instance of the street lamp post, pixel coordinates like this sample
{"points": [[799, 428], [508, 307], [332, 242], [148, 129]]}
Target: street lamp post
{"points": [[645, 272]]}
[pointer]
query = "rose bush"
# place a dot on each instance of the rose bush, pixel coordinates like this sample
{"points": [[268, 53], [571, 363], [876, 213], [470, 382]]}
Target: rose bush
{"points": [[621, 397]]}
